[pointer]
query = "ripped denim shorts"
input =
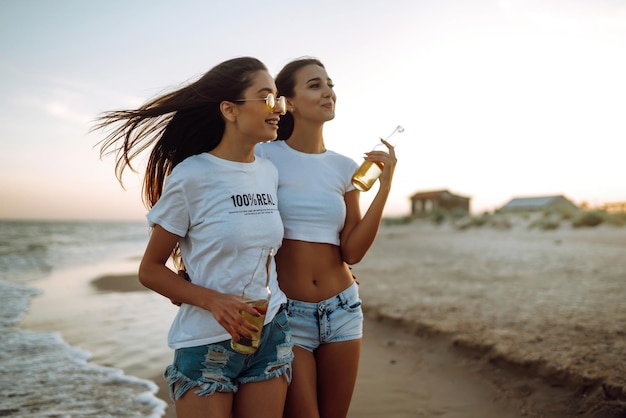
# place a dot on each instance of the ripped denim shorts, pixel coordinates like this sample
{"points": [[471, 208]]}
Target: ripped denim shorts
{"points": [[218, 368], [336, 319]]}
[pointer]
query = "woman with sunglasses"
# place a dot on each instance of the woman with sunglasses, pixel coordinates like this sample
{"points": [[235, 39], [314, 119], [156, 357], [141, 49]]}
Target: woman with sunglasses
{"points": [[324, 233], [212, 206]]}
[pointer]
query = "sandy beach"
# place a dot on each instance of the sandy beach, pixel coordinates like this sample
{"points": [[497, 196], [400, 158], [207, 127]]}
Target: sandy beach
{"points": [[480, 322], [542, 304]]}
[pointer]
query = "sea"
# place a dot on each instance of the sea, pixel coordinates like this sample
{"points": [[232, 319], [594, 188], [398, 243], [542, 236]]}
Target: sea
{"points": [[41, 375]]}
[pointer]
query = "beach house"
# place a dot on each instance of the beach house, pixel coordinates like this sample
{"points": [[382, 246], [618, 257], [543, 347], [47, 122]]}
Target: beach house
{"points": [[429, 201], [556, 203]]}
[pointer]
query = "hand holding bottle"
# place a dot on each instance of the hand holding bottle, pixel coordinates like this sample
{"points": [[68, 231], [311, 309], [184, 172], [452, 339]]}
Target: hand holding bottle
{"points": [[256, 294], [388, 160], [374, 163]]}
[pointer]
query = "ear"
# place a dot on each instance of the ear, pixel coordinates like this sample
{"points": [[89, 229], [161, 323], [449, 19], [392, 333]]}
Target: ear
{"points": [[290, 106], [229, 111]]}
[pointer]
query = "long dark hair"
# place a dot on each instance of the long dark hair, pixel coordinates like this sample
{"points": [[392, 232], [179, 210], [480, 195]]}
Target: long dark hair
{"points": [[286, 83], [184, 122]]}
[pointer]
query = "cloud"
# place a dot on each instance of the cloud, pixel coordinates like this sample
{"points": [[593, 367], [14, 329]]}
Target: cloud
{"points": [[97, 93], [57, 108], [72, 101]]}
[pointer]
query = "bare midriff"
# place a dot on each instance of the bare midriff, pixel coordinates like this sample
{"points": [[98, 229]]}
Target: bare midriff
{"points": [[311, 271]]}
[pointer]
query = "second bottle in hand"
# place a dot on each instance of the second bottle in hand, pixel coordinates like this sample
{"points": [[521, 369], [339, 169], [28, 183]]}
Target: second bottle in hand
{"points": [[367, 174], [256, 293]]}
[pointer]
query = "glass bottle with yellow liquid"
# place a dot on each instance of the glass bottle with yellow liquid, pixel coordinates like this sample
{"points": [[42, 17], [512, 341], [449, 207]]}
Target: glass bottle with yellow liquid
{"points": [[367, 174], [256, 293]]}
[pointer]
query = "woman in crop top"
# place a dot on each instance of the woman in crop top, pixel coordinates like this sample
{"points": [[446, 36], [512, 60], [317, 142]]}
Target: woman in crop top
{"points": [[324, 233], [212, 199]]}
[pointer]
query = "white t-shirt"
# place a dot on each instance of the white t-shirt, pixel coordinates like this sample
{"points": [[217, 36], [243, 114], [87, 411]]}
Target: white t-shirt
{"points": [[311, 189], [224, 212]]}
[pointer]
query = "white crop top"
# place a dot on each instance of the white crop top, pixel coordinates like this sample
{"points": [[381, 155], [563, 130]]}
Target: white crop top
{"points": [[311, 189]]}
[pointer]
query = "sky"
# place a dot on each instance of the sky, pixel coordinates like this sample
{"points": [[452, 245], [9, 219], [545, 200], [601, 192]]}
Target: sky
{"points": [[498, 98]]}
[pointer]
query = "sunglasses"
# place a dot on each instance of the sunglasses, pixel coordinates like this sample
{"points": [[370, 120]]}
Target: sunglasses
{"points": [[273, 103]]}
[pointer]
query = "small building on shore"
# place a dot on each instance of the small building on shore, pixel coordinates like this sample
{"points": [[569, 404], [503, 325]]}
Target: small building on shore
{"points": [[429, 201], [556, 203]]}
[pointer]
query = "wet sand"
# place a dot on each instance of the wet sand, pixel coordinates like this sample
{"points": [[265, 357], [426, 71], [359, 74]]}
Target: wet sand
{"points": [[459, 323]]}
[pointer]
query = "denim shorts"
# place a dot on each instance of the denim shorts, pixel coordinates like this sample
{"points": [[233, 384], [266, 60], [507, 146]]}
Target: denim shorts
{"points": [[339, 318], [218, 368]]}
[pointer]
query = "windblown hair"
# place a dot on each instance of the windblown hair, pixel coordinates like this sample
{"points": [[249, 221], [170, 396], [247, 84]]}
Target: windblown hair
{"points": [[286, 84], [182, 123]]}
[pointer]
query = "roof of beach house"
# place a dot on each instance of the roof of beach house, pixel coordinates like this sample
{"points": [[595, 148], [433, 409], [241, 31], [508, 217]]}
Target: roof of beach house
{"points": [[435, 193], [537, 202]]}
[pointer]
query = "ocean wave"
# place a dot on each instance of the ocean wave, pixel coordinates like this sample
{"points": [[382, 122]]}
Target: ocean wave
{"points": [[42, 376], [14, 300]]}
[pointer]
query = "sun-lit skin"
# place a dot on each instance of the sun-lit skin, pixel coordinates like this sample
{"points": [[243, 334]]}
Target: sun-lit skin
{"points": [[252, 121], [312, 80]]}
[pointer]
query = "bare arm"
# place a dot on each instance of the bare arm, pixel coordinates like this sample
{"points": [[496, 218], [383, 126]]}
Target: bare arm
{"points": [[359, 232], [155, 275]]}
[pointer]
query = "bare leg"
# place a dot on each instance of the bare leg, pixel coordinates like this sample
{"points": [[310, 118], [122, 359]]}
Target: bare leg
{"points": [[302, 392], [337, 368], [261, 399], [217, 405]]}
